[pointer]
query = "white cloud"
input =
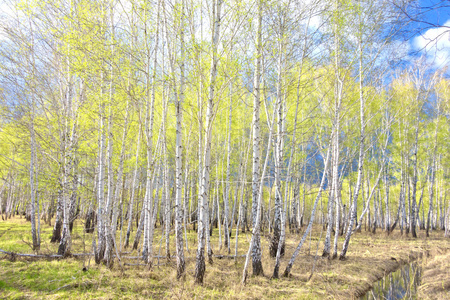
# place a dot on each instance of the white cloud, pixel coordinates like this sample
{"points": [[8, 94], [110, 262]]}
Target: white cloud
{"points": [[312, 9], [8, 15], [3, 13], [6, 9], [314, 22], [435, 43]]}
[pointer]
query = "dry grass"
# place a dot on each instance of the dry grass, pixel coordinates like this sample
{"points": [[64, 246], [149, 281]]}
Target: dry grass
{"points": [[436, 278], [370, 257]]}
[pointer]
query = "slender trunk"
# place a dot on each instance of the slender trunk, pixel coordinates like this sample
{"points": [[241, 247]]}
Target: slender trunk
{"points": [[218, 205], [33, 156], [200, 259], [432, 181], [367, 203], [187, 197], [337, 118], [69, 143], [140, 224], [165, 198], [33, 191], [414, 180], [227, 184], [243, 171], [167, 207], [287, 271], [133, 189], [354, 207], [388, 213], [149, 222], [403, 198], [100, 186], [336, 184], [330, 207], [179, 179], [255, 245], [109, 240], [278, 161], [119, 186]]}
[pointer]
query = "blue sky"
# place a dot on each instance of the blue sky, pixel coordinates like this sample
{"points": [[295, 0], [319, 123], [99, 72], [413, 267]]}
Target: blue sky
{"points": [[431, 32], [433, 37], [439, 12]]}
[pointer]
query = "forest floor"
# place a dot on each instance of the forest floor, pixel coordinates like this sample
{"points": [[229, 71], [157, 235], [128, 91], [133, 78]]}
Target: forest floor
{"points": [[435, 283], [370, 257]]}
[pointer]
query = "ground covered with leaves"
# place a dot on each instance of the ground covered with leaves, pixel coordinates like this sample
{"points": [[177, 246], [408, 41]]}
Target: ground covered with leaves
{"points": [[370, 257]]}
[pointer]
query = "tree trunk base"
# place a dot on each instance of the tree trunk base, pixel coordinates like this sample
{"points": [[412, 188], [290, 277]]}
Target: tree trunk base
{"points": [[56, 236], [200, 269], [274, 245], [257, 268]]}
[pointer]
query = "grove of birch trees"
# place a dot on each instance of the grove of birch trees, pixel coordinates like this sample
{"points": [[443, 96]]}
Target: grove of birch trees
{"points": [[164, 117]]}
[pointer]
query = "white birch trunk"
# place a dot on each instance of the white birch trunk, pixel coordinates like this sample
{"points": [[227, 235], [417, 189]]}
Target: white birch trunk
{"points": [[287, 271], [179, 162], [254, 248], [226, 224], [204, 194], [256, 243], [150, 108], [133, 189]]}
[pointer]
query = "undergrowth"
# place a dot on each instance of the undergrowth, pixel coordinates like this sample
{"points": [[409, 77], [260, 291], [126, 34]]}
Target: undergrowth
{"points": [[369, 258]]}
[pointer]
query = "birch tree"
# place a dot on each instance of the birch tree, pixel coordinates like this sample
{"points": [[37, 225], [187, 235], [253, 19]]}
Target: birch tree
{"points": [[256, 125], [210, 113]]}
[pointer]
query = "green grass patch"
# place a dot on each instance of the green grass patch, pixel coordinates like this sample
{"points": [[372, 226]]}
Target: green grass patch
{"points": [[369, 258]]}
